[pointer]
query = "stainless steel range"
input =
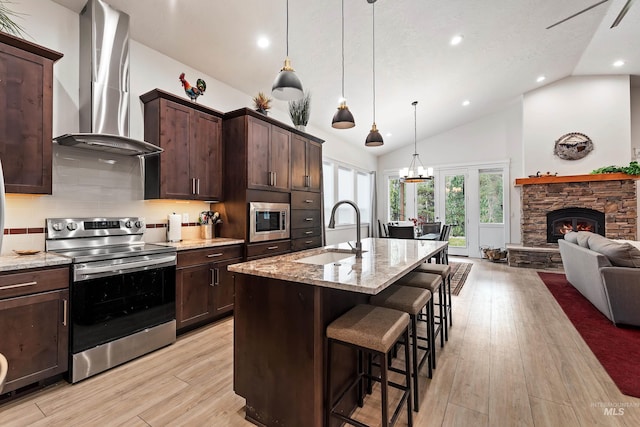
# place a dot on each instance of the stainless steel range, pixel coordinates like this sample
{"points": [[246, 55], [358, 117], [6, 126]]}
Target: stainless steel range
{"points": [[122, 302]]}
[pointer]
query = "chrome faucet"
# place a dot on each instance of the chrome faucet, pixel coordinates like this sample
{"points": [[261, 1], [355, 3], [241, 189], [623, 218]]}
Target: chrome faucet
{"points": [[332, 224]]}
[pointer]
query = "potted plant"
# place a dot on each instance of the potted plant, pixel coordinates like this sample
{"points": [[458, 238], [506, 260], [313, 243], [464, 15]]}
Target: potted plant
{"points": [[6, 23], [262, 103], [299, 111]]}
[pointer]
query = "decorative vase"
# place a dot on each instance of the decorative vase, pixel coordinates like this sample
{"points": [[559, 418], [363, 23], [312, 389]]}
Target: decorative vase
{"points": [[206, 231], [261, 111], [301, 128]]}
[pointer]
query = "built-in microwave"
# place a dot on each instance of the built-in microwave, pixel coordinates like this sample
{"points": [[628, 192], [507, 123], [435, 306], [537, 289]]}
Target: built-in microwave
{"points": [[268, 221]]}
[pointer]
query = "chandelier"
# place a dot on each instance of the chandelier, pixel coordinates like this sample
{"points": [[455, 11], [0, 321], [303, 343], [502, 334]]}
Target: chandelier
{"points": [[416, 172]]}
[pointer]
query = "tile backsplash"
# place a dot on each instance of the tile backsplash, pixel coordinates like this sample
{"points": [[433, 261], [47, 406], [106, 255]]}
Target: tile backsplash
{"points": [[90, 183]]}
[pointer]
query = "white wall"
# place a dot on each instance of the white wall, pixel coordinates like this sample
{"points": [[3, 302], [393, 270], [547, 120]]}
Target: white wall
{"points": [[635, 120], [597, 106], [83, 183]]}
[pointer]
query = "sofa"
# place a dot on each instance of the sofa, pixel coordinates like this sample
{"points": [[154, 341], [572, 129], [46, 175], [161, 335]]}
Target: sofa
{"points": [[606, 272]]}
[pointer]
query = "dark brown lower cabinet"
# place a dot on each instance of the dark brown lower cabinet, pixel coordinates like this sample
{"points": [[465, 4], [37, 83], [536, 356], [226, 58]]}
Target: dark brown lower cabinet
{"points": [[34, 325], [204, 287]]}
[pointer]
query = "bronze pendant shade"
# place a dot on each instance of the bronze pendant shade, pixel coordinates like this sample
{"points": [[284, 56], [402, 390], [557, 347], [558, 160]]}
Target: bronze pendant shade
{"points": [[287, 85], [343, 119], [374, 139]]}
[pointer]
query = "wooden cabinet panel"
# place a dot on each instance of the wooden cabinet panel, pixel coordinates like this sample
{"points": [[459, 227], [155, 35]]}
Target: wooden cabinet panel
{"points": [[258, 250], [191, 136], [305, 218], [298, 233], [306, 243], [281, 158], [31, 282], [306, 164], [214, 254], [305, 200], [193, 294], [26, 114], [35, 338], [268, 158], [224, 287]]}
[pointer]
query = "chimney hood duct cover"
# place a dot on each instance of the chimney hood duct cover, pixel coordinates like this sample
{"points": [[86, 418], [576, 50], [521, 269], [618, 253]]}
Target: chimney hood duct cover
{"points": [[104, 84]]}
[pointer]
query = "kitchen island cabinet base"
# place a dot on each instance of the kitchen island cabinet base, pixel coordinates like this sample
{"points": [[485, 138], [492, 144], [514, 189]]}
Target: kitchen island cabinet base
{"points": [[280, 350]]}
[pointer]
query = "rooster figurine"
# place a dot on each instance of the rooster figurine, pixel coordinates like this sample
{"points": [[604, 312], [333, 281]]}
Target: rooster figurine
{"points": [[191, 91]]}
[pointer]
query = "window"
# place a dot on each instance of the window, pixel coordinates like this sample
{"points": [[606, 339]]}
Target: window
{"points": [[344, 182], [491, 197], [397, 205], [426, 201]]}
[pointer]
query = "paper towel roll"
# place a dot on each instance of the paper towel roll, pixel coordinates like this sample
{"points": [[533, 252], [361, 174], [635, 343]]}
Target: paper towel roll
{"points": [[174, 230]]}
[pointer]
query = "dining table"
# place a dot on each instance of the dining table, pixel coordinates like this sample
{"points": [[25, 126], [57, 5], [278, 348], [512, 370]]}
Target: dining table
{"points": [[429, 236]]}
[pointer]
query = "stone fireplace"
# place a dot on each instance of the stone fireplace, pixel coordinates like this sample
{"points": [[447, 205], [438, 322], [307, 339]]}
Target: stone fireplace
{"points": [[606, 203]]}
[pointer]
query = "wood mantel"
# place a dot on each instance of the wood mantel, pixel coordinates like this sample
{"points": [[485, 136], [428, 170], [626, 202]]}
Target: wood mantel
{"points": [[575, 178]]}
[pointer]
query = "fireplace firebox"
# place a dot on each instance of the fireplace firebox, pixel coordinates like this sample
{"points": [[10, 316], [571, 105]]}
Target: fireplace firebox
{"points": [[561, 221]]}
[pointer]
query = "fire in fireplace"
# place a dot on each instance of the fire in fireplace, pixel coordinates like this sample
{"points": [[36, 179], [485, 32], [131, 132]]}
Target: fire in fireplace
{"points": [[562, 221]]}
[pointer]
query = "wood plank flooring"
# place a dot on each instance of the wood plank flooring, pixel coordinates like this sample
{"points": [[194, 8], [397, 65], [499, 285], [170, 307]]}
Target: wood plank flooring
{"points": [[512, 359]]}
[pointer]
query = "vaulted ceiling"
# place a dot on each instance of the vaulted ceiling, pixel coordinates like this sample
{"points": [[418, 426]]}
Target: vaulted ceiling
{"points": [[506, 46]]}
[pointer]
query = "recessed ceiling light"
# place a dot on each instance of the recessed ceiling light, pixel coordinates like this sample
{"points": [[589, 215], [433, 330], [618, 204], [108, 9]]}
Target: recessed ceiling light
{"points": [[263, 42], [540, 79], [388, 134], [466, 102], [456, 40], [618, 63]]}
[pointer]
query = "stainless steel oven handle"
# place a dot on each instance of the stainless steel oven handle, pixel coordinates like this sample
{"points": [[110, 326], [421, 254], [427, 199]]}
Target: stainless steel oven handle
{"points": [[87, 270]]}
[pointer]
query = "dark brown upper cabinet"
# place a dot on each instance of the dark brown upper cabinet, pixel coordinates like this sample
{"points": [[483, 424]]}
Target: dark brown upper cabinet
{"points": [[306, 164], [190, 167], [26, 114], [269, 156]]}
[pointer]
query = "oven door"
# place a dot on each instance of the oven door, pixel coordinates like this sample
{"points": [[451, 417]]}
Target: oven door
{"points": [[116, 298], [268, 221]]}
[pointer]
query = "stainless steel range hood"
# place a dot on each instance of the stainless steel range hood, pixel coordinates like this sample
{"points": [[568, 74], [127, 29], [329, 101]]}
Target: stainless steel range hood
{"points": [[104, 84]]}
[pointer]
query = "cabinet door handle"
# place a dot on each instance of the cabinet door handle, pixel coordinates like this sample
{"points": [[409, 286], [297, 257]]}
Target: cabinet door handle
{"points": [[308, 201], [308, 242], [269, 178], [17, 285], [193, 186], [65, 305], [308, 219], [214, 255], [309, 180], [308, 232], [270, 248], [216, 275], [212, 277], [275, 179], [198, 186]]}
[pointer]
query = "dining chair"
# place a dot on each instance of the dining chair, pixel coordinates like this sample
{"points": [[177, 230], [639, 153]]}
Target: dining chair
{"points": [[382, 229], [443, 256], [431, 227], [401, 231]]}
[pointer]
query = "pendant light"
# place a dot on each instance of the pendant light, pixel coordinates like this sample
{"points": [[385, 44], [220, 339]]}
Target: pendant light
{"points": [[374, 139], [416, 171], [343, 119], [287, 85]]}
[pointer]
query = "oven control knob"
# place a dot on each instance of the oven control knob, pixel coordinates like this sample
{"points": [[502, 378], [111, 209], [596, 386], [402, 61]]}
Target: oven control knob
{"points": [[128, 224], [139, 224], [57, 226], [72, 226]]}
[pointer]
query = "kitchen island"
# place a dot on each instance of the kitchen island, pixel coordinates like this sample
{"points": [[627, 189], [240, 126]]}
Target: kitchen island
{"points": [[283, 305]]}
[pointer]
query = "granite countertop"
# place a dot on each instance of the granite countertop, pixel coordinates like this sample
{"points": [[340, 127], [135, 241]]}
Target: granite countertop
{"points": [[22, 262], [201, 243], [383, 263]]}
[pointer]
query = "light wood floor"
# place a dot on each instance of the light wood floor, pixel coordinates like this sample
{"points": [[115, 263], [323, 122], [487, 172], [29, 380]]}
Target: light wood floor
{"points": [[512, 359]]}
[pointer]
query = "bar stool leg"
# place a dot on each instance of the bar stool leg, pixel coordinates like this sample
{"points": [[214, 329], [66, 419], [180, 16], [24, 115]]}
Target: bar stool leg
{"points": [[414, 329], [445, 311], [361, 384], [328, 398], [443, 317], [383, 390], [450, 305], [408, 380], [430, 325]]}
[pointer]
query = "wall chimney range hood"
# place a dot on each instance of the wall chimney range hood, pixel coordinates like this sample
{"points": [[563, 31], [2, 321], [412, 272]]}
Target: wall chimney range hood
{"points": [[104, 84]]}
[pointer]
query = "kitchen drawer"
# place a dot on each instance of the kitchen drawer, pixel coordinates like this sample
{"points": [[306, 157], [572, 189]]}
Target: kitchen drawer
{"points": [[306, 243], [305, 200], [305, 218], [298, 233], [204, 256], [34, 281], [268, 248]]}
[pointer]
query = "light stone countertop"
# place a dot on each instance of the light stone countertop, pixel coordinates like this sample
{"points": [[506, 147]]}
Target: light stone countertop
{"points": [[22, 262], [384, 262], [201, 243]]}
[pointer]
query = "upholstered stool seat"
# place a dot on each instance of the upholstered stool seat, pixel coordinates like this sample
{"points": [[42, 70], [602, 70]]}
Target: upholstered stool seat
{"points": [[411, 300], [444, 270], [373, 330], [432, 282]]}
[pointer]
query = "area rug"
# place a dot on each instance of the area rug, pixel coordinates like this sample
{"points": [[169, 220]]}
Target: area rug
{"points": [[459, 273], [617, 349]]}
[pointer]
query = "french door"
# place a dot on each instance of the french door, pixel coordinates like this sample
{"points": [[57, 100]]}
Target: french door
{"points": [[452, 207]]}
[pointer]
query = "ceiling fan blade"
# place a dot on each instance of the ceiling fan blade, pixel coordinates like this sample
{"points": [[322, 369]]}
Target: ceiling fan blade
{"points": [[580, 13], [622, 13]]}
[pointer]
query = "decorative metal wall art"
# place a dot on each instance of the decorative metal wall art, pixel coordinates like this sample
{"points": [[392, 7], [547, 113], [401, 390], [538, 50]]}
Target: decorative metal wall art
{"points": [[573, 146]]}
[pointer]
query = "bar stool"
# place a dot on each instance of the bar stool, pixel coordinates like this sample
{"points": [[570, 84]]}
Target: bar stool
{"points": [[372, 330], [433, 283], [411, 300], [444, 270]]}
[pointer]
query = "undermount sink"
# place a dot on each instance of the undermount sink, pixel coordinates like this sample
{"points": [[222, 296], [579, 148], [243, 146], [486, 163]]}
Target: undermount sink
{"points": [[330, 257]]}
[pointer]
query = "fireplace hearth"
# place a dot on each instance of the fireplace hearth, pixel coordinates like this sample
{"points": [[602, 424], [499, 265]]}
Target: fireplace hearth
{"points": [[562, 221]]}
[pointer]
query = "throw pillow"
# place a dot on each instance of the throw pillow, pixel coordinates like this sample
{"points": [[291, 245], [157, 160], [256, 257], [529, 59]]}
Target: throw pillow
{"points": [[619, 254], [571, 237], [583, 237]]}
